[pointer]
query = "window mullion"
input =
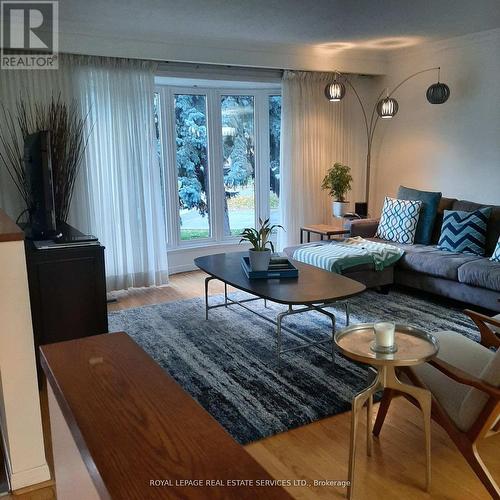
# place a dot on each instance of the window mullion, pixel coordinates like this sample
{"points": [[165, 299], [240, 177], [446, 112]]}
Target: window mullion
{"points": [[216, 185], [262, 155], [170, 172]]}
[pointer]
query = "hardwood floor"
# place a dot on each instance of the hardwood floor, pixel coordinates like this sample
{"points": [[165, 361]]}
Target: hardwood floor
{"points": [[182, 286], [319, 451]]}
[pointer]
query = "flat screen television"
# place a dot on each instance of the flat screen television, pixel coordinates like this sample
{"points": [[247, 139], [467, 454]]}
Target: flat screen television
{"points": [[38, 167]]}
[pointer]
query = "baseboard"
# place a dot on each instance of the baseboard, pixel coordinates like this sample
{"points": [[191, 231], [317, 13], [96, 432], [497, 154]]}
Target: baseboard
{"points": [[29, 478], [34, 487], [182, 269]]}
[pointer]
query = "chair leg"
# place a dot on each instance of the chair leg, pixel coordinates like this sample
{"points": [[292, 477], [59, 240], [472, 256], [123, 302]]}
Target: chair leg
{"points": [[472, 456], [382, 410]]}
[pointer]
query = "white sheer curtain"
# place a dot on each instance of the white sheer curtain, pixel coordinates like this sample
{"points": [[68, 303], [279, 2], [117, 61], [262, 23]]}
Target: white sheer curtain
{"points": [[314, 135], [122, 203], [118, 194]]}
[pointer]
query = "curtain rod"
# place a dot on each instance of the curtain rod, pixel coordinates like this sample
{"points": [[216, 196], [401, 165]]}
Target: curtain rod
{"points": [[202, 65]]}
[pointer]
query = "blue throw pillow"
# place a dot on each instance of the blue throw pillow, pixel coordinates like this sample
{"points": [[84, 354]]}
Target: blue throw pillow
{"points": [[464, 232], [398, 221], [430, 202], [496, 254]]}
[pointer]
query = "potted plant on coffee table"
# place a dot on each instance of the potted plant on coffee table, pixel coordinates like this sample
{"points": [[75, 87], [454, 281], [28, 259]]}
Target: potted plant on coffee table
{"points": [[262, 246], [338, 182]]}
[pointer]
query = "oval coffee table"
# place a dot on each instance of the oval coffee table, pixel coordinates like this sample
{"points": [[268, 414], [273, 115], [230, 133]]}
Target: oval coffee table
{"points": [[414, 347], [314, 289]]}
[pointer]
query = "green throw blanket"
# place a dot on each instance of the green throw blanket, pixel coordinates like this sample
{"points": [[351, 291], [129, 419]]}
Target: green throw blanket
{"points": [[337, 257]]}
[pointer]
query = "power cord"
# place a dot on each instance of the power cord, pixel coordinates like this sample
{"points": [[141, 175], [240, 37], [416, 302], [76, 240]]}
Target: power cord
{"points": [[21, 214]]}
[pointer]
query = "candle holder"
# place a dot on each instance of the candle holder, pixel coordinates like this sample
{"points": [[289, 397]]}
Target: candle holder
{"points": [[384, 337]]}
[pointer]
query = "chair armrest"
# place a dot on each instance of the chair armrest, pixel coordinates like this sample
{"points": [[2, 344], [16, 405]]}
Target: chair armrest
{"points": [[488, 337], [464, 378], [366, 228]]}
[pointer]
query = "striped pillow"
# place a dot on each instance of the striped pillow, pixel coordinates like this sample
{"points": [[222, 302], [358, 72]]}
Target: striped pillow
{"points": [[496, 254], [464, 232], [398, 221]]}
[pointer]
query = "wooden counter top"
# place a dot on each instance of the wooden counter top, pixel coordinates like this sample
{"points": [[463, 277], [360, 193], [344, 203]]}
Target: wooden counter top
{"points": [[132, 424], [9, 230]]}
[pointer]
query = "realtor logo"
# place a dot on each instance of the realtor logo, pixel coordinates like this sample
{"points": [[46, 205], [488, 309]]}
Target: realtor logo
{"points": [[29, 35]]}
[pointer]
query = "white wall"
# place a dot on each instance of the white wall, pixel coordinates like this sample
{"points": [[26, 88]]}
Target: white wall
{"points": [[19, 401], [453, 147], [368, 89]]}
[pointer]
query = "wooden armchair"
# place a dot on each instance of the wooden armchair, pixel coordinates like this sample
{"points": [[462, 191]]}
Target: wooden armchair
{"points": [[464, 380]]}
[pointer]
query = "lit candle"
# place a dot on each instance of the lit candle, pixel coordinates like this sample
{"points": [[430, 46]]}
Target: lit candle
{"points": [[384, 333]]}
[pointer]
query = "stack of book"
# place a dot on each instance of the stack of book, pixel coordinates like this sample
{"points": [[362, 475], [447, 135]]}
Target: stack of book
{"points": [[279, 263], [279, 267]]}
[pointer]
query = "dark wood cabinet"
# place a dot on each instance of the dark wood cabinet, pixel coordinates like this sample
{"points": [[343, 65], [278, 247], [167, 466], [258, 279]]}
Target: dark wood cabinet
{"points": [[67, 288]]}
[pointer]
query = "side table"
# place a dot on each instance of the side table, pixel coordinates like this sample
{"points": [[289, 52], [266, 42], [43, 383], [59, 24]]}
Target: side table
{"points": [[328, 230], [414, 347]]}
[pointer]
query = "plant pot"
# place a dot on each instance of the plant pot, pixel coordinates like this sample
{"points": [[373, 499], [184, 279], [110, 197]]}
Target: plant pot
{"points": [[340, 208], [259, 260]]}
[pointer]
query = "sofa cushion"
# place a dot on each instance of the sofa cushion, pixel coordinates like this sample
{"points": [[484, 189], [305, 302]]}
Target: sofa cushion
{"points": [[366, 228], [464, 231], [438, 263], [428, 259], [430, 202], [398, 221], [496, 253], [444, 204], [462, 403], [483, 273], [476, 399], [493, 228]]}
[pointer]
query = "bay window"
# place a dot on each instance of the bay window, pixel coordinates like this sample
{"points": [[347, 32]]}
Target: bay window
{"points": [[219, 159]]}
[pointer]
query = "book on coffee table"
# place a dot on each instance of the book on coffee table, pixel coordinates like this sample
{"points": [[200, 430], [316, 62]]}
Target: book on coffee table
{"points": [[279, 268]]}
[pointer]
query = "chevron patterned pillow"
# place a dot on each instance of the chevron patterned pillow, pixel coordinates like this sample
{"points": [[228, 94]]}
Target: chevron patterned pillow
{"points": [[496, 254], [398, 221], [464, 232]]}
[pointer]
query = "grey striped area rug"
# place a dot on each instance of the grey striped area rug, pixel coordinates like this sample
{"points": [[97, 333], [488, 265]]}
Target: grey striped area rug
{"points": [[228, 363]]}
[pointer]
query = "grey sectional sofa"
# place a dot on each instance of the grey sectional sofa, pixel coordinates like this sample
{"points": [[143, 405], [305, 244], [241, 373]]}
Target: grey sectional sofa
{"points": [[468, 278]]}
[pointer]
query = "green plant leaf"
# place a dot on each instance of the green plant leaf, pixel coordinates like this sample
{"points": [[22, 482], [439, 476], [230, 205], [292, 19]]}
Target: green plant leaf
{"points": [[338, 181], [259, 238]]}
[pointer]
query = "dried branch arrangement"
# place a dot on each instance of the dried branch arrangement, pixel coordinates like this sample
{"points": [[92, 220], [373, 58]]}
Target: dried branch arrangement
{"points": [[68, 140]]}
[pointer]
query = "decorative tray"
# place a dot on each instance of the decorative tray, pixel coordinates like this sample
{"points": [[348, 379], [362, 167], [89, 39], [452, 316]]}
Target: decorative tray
{"points": [[414, 346], [286, 270]]}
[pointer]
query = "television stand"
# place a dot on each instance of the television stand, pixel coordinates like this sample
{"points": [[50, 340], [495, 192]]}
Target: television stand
{"points": [[67, 287]]}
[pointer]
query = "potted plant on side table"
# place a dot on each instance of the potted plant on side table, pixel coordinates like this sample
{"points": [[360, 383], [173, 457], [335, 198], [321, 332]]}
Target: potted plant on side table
{"points": [[338, 182], [262, 246]]}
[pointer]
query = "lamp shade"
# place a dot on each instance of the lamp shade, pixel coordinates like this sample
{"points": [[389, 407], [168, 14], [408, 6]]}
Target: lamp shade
{"points": [[387, 108], [438, 93], [335, 91]]}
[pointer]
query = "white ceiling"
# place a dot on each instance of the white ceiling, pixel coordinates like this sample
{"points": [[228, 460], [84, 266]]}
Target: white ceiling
{"points": [[169, 28]]}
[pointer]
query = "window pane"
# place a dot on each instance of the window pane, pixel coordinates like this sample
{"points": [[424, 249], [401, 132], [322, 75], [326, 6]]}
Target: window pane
{"points": [[239, 162], [274, 156], [192, 165]]}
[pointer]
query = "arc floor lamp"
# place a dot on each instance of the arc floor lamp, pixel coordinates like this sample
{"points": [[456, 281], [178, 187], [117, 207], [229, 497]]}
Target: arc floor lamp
{"points": [[385, 107]]}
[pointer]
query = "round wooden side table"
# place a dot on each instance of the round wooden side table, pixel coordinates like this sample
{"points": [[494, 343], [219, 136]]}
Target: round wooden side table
{"points": [[414, 347]]}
